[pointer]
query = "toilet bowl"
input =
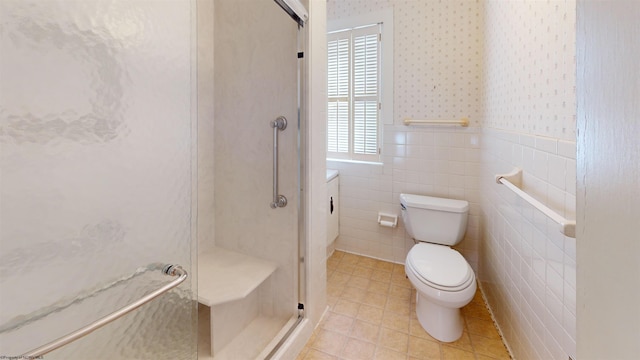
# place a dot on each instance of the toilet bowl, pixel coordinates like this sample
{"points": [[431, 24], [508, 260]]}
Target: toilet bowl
{"points": [[444, 280]]}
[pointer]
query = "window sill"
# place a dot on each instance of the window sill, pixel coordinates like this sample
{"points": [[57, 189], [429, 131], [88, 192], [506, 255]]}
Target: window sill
{"points": [[376, 163]]}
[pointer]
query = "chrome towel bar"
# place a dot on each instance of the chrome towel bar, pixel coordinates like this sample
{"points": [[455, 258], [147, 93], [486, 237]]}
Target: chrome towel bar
{"points": [[172, 270], [567, 227]]}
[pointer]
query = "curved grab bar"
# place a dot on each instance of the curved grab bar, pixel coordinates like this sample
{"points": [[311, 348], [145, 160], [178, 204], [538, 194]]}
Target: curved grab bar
{"points": [[172, 270]]}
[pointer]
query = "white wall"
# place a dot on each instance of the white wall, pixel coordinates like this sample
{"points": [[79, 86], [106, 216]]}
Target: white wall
{"points": [[527, 267], [608, 176], [437, 55]]}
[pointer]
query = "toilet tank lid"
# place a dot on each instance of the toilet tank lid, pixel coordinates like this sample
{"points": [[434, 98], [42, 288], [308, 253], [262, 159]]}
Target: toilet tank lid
{"points": [[434, 203]]}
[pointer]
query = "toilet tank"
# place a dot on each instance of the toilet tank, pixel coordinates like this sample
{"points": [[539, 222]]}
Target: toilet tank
{"points": [[434, 220]]}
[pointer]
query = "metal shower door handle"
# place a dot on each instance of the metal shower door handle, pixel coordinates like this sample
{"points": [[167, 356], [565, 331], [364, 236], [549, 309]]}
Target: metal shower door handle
{"points": [[278, 200]]}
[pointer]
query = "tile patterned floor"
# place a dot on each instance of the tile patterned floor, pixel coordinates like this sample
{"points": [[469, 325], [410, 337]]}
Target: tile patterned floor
{"points": [[372, 316]]}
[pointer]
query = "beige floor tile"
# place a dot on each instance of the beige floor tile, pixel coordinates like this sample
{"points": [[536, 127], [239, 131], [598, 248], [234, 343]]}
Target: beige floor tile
{"points": [[314, 354], [423, 349], [400, 292], [384, 265], [345, 267], [463, 343], [381, 275], [363, 272], [378, 287], [387, 354], [394, 340], [365, 331], [400, 279], [346, 307], [451, 353], [358, 350], [339, 278], [335, 290], [367, 262], [370, 314], [490, 347], [476, 310], [329, 342], [351, 259], [482, 327], [332, 300], [358, 282], [398, 306], [374, 299], [338, 323], [353, 294], [394, 321], [484, 357], [332, 263]]}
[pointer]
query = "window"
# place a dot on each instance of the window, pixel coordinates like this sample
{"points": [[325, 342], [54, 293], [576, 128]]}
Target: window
{"points": [[360, 84], [353, 126]]}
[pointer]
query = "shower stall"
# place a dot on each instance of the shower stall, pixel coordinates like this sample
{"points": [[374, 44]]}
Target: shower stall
{"points": [[100, 179], [250, 284]]}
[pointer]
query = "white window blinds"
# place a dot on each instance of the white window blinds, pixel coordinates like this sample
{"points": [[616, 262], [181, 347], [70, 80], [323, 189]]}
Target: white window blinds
{"points": [[353, 93]]}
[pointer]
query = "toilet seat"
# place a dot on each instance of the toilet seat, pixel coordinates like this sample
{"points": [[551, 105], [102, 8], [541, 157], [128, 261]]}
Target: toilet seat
{"points": [[440, 267]]}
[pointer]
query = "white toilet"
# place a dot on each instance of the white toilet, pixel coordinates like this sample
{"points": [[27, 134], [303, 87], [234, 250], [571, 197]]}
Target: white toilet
{"points": [[442, 277]]}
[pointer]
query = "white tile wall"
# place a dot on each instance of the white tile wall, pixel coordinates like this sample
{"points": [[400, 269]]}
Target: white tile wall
{"points": [[432, 161], [527, 267]]}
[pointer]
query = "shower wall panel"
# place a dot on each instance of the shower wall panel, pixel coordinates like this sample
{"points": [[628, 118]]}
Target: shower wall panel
{"points": [[255, 59]]}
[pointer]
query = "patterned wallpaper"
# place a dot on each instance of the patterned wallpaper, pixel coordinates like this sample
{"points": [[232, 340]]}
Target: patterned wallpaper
{"points": [[440, 57], [529, 72], [437, 56]]}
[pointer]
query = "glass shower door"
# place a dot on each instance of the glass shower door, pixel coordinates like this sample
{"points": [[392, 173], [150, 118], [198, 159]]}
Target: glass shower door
{"points": [[96, 149]]}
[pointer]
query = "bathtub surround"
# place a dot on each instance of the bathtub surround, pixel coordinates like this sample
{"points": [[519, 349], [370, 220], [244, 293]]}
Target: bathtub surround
{"points": [[514, 78]]}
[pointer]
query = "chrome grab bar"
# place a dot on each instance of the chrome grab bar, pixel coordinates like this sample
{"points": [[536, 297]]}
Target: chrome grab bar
{"points": [[172, 270], [278, 200]]}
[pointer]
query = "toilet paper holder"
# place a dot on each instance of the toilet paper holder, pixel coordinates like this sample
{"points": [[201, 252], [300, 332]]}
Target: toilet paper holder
{"points": [[387, 220]]}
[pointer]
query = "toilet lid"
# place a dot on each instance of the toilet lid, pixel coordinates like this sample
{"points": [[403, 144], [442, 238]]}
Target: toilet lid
{"points": [[439, 265]]}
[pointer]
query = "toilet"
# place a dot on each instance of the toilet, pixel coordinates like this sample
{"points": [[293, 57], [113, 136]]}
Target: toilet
{"points": [[444, 280]]}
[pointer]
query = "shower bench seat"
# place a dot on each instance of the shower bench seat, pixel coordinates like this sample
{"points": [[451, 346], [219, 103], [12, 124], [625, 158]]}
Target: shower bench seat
{"points": [[227, 284]]}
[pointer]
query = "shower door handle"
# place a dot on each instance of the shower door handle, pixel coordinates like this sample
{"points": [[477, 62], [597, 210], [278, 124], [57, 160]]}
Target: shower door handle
{"points": [[171, 270], [278, 200]]}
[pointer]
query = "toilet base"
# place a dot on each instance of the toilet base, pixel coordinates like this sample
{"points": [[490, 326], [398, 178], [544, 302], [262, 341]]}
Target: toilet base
{"points": [[442, 323]]}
